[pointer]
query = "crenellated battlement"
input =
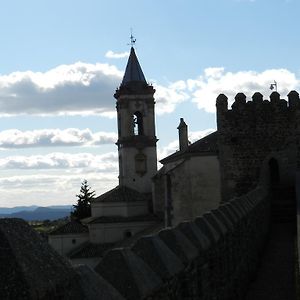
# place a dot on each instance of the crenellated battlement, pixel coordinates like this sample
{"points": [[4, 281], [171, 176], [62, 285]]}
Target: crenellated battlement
{"points": [[250, 132], [258, 103], [261, 118]]}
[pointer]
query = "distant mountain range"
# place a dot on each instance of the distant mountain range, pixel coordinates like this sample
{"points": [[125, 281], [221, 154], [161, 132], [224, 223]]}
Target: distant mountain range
{"points": [[32, 213]]}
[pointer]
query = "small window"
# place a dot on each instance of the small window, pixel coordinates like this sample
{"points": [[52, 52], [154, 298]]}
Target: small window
{"points": [[74, 241]]}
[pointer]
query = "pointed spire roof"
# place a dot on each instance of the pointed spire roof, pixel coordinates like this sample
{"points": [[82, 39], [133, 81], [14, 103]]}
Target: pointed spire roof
{"points": [[133, 70]]}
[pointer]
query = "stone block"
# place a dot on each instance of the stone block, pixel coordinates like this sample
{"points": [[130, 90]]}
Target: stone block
{"points": [[208, 230], [194, 234], [128, 274], [179, 244], [94, 286], [31, 268], [154, 252]]}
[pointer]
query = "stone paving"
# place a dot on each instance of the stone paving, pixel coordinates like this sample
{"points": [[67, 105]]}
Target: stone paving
{"points": [[276, 276]]}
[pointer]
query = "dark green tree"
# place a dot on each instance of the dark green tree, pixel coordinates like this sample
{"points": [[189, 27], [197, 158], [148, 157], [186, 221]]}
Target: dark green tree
{"points": [[83, 207]]}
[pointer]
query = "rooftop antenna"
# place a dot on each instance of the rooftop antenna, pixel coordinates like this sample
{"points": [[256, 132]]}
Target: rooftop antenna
{"points": [[273, 86], [132, 39]]}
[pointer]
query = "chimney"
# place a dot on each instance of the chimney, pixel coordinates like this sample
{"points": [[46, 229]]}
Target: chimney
{"points": [[183, 135]]}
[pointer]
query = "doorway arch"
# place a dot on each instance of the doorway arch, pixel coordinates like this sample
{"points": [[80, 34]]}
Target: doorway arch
{"points": [[274, 172]]}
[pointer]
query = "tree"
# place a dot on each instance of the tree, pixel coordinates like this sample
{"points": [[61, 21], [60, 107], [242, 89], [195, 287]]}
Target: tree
{"points": [[83, 207]]}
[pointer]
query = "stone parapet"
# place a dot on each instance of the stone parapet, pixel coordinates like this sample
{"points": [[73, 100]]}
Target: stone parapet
{"points": [[213, 257]]}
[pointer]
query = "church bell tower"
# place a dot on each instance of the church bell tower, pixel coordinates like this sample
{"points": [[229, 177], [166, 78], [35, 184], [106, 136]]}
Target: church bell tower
{"points": [[136, 128]]}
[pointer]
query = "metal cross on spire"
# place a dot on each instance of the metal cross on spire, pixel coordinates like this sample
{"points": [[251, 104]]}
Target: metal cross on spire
{"points": [[132, 39]]}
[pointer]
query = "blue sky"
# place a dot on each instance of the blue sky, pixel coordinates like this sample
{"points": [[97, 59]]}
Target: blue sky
{"points": [[61, 62]]}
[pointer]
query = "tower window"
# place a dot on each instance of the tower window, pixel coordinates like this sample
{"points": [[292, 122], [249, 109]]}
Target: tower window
{"points": [[138, 123]]}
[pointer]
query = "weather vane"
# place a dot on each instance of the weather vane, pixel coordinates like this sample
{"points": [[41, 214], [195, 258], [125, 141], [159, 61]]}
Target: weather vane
{"points": [[132, 39], [273, 86]]}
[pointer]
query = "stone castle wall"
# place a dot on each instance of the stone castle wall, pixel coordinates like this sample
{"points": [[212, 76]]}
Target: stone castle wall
{"points": [[213, 257], [253, 132], [30, 268]]}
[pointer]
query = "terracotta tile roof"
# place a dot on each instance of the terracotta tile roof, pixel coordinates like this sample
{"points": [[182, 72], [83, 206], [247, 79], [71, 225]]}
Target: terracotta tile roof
{"points": [[205, 146], [122, 194], [120, 219], [69, 228]]}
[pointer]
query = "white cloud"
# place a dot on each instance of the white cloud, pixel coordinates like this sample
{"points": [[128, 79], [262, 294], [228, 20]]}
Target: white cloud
{"points": [[83, 88], [68, 89], [111, 54], [215, 81], [15, 138], [83, 162], [45, 190], [167, 98], [79, 88], [55, 178]]}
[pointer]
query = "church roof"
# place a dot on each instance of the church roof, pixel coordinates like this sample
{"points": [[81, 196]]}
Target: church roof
{"points": [[133, 70], [122, 194], [71, 227], [121, 219], [205, 146]]}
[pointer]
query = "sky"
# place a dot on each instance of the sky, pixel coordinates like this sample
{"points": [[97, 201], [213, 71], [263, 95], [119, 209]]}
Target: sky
{"points": [[61, 62]]}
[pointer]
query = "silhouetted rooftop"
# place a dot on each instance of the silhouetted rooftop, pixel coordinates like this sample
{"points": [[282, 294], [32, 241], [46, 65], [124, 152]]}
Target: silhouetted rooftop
{"points": [[69, 228], [120, 219], [205, 146], [121, 194]]}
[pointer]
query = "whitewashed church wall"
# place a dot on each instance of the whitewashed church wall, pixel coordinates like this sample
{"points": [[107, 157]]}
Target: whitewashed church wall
{"points": [[65, 243], [114, 232], [195, 188], [122, 209]]}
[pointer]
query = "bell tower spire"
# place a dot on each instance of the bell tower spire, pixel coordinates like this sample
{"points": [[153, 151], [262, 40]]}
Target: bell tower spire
{"points": [[136, 128]]}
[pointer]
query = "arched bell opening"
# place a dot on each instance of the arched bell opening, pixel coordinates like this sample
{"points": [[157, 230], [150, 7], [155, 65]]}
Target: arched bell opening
{"points": [[138, 126]]}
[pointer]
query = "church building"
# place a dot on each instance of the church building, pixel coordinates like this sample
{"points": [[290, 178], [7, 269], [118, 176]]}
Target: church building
{"points": [[256, 144], [127, 209]]}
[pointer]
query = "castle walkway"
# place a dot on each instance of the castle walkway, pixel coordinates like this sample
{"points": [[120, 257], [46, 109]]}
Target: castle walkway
{"points": [[276, 275]]}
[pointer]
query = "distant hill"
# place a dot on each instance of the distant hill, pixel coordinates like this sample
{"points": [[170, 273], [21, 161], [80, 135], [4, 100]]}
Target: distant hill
{"points": [[32, 213], [10, 210]]}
